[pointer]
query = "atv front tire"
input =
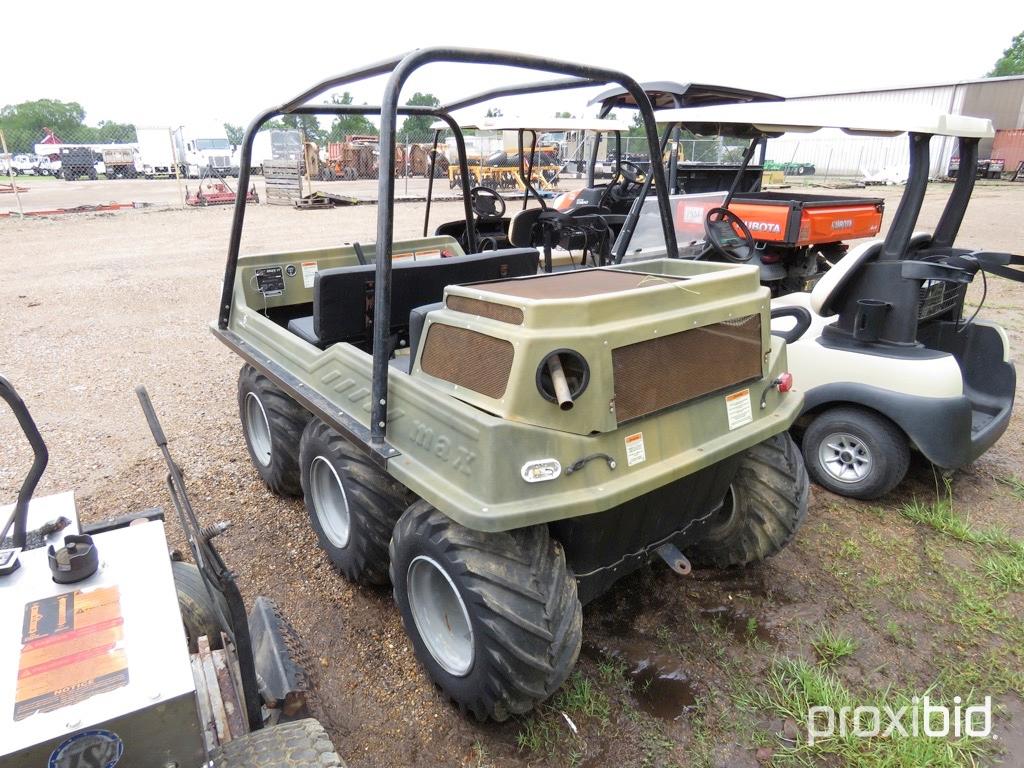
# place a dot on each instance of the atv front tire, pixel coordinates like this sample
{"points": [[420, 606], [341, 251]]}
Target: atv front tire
{"points": [[353, 505], [298, 744], [493, 617], [855, 452], [765, 505], [272, 424]]}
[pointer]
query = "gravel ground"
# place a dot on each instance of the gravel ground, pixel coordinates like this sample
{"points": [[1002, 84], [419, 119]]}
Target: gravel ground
{"points": [[93, 304]]}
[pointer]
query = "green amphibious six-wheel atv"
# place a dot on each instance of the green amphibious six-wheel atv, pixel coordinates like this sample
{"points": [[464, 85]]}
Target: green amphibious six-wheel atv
{"points": [[504, 445]]}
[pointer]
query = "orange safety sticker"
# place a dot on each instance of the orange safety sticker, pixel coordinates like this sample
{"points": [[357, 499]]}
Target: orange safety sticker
{"points": [[71, 650]]}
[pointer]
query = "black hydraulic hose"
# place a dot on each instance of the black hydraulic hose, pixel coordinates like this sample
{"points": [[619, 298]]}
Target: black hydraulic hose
{"points": [[19, 518]]}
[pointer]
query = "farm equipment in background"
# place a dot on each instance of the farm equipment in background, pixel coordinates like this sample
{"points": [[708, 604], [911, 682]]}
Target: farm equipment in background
{"points": [[213, 190], [351, 159]]}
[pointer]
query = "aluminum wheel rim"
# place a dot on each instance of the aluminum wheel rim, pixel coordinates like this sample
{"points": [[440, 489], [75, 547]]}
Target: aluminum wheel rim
{"points": [[257, 429], [845, 457], [329, 501], [440, 614]]}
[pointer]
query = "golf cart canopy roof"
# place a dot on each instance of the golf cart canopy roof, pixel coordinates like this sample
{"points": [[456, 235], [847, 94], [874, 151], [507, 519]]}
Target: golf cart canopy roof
{"points": [[665, 94], [773, 119], [545, 124]]}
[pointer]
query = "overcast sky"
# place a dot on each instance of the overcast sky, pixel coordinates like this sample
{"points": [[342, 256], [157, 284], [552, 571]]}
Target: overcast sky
{"points": [[222, 63]]}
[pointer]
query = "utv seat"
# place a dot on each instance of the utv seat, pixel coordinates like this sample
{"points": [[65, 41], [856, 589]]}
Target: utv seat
{"points": [[343, 296]]}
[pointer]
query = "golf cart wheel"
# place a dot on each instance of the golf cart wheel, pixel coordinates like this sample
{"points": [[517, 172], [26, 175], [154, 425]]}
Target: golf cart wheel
{"points": [[298, 744], [198, 611], [272, 424], [493, 617], [352, 504], [855, 452], [765, 505]]}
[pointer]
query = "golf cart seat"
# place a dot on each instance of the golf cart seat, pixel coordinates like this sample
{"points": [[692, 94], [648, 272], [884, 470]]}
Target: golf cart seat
{"points": [[831, 283], [343, 297], [522, 226]]}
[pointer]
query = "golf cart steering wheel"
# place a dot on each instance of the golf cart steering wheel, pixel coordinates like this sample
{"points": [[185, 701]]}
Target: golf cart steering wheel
{"points": [[487, 204], [720, 225]]}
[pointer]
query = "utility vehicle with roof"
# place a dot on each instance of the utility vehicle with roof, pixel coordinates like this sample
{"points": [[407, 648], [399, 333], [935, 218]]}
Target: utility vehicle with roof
{"points": [[881, 346], [791, 237], [503, 445]]}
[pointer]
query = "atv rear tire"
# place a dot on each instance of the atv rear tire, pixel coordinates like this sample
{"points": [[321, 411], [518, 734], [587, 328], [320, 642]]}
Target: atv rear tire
{"points": [[298, 744], [352, 504], [765, 505], [272, 424], [855, 452], [493, 617], [198, 611]]}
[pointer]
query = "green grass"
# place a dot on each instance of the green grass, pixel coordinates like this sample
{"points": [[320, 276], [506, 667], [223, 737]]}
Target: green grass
{"points": [[579, 695], [941, 516], [833, 647], [793, 686], [1015, 484], [1005, 570]]}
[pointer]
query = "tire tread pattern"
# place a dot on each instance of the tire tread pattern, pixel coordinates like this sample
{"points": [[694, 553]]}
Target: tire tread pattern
{"points": [[772, 491], [518, 588], [376, 501], [287, 420], [298, 744]]}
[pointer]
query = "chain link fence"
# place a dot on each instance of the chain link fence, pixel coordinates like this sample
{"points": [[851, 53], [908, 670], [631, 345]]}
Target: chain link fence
{"points": [[81, 168]]}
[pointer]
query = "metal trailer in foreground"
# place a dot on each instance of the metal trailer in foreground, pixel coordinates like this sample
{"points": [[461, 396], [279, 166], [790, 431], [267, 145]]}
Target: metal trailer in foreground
{"points": [[95, 666], [504, 445], [880, 347]]}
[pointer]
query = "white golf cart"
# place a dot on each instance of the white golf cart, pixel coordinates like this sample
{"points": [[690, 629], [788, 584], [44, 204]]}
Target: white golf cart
{"points": [[880, 347]]}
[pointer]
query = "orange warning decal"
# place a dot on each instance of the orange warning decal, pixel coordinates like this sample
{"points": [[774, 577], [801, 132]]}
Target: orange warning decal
{"points": [[70, 650]]}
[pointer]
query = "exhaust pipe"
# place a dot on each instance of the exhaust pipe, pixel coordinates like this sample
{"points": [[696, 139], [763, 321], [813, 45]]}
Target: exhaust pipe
{"points": [[562, 394]]}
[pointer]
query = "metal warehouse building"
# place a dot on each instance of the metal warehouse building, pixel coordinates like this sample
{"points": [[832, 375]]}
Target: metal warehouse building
{"points": [[1000, 99]]}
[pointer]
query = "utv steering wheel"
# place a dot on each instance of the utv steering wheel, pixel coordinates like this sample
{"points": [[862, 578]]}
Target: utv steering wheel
{"points": [[487, 204], [720, 225], [631, 174]]}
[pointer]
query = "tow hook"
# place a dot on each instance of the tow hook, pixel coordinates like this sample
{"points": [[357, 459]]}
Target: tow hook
{"points": [[676, 560]]}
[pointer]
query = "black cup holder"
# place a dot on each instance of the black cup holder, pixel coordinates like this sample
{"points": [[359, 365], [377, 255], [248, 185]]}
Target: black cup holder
{"points": [[867, 326]]}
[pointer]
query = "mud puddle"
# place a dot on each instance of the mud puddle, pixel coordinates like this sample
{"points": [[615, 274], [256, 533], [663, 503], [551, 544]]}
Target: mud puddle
{"points": [[658, 683]]}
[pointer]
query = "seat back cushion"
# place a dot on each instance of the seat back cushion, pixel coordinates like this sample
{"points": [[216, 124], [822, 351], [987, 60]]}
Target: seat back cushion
{"points": [[343, 297]]}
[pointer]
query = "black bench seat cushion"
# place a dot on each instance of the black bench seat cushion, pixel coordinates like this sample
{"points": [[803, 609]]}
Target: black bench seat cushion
{"points": [[343, 296]]}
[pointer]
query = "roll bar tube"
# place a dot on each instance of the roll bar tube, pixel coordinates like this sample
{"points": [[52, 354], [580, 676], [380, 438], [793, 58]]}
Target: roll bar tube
{"points": [[956, 206], [897, 240]]}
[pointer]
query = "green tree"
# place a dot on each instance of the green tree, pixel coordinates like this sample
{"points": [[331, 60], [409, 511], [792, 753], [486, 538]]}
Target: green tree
{"points": [[417, 127], [234, 133], [23, 124], [110, 132], [349, 125], [1012, 61]]}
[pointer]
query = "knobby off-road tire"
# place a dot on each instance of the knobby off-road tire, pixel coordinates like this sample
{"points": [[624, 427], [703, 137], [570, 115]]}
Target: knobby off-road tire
{"points": [[198, 612], [493, 617], [766, 504], [272, 424], [353, 505], [855, 452], [299, 744]]}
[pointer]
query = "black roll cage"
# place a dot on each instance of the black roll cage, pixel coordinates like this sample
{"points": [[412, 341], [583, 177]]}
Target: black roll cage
{"points": [[399, 69]]}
